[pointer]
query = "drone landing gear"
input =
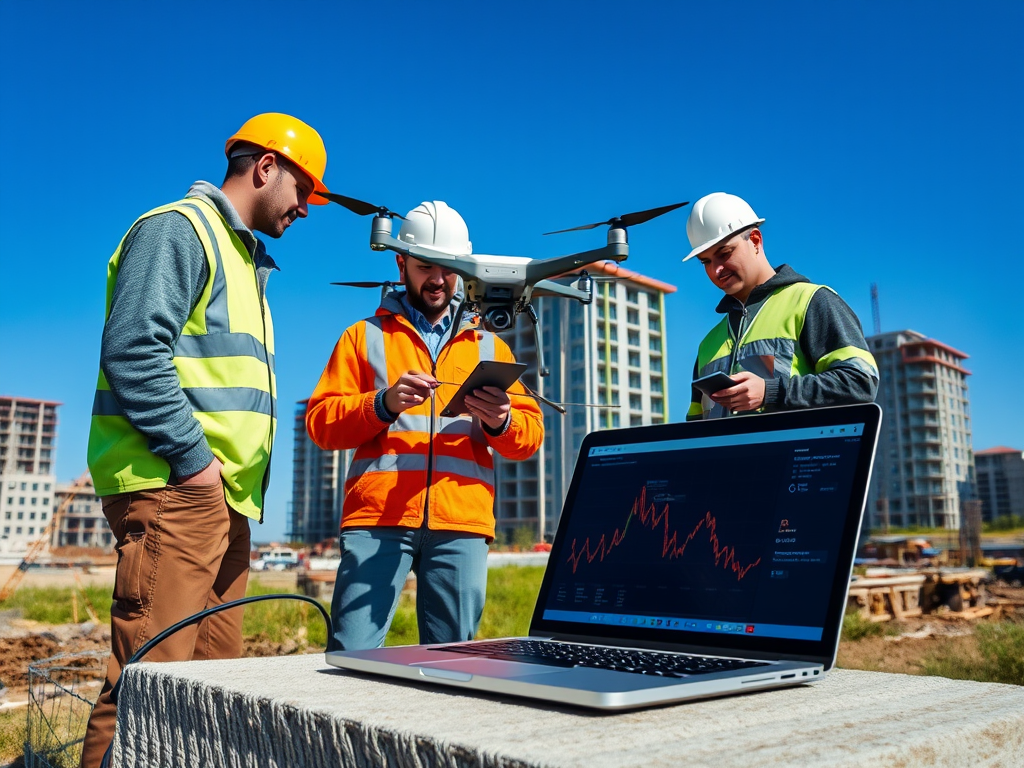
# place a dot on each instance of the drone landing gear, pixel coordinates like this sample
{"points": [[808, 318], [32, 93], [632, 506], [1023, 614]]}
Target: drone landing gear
{"points": [[542, 369]]}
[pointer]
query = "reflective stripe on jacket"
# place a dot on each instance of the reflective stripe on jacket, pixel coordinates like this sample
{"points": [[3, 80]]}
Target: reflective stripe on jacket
{"points": [[224, 358], [422, 463], [768, 345]]}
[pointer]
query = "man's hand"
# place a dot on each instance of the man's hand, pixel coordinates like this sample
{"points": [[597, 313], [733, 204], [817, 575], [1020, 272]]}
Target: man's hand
{"points": [[207, 476], [489, 404], [748, 395], [413, 388]]}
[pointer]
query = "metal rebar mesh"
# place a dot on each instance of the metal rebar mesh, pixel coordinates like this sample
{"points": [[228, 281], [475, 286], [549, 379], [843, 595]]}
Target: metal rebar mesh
{"points": [[62, 690]]}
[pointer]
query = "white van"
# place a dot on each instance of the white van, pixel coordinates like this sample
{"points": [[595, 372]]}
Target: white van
{"points": [[278, 559]]}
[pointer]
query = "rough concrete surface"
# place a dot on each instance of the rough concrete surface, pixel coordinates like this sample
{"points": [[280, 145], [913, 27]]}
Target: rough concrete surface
{"points": [[297, 711]]}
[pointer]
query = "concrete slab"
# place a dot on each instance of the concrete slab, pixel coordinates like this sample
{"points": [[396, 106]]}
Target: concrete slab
{"points": [[296, 711]]}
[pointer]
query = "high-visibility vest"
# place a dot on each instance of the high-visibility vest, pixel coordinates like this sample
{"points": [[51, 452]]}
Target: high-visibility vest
{"points": [[225, 363], [422, 465], [767, 345]]}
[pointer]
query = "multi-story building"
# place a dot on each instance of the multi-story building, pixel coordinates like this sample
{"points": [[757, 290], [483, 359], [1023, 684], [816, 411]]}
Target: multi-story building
{"points": [[28, 442], [612, 354], [1000, 482], [81, 522], [318, 487], [924, 467]]}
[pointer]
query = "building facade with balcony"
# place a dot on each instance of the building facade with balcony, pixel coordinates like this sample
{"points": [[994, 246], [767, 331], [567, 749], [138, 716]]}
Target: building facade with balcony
{"points": [[81, 523], [924, 466], [28, 445], [318, 486], [611, 354], [1000, 473]]}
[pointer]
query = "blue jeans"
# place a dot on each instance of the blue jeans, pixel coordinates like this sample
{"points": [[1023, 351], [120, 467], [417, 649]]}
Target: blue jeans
{"points": [[451, 584]]}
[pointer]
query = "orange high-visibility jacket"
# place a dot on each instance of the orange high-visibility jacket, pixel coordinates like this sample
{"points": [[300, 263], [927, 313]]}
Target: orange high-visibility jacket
{"points": [[423, 462]]}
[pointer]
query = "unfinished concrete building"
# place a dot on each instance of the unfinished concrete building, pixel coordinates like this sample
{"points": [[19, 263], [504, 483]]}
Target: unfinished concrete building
{"points": [[924, 466]]}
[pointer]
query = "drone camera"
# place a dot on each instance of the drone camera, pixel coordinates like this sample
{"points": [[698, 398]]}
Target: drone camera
{"points": [[499, 318]]}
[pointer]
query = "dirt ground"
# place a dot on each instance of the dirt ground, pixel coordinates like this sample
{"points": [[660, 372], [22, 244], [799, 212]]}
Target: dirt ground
{"points": [[906, 644], [905, 652], [902, 648], [22, 642]]}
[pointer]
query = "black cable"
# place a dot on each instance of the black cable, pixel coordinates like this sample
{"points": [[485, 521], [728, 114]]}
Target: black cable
{"points": [[195, 619]]}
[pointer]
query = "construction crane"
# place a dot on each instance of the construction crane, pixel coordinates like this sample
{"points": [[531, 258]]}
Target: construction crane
{"points": [[39, 545]]}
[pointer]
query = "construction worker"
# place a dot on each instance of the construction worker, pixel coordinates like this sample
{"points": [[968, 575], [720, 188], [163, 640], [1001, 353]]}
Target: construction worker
{"points": [[787, 342], [184, 414], [420, 489]]}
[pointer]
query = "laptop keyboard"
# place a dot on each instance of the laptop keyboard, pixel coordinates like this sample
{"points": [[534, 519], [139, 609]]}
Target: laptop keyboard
{"points": [[556, 654]]}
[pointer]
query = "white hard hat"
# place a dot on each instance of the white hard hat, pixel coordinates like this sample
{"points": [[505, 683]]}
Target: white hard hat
{"points": [[435, 225], [717, 217]]}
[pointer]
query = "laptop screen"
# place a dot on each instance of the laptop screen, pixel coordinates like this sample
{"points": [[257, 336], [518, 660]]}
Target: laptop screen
{"points": [[737, 534]]}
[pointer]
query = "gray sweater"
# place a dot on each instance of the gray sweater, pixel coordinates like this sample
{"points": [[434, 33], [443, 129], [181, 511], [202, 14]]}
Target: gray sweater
{"points": [[160, 278]]}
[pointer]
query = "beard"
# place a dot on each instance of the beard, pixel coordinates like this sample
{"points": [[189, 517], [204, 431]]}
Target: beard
{"points": [[427, 305]]}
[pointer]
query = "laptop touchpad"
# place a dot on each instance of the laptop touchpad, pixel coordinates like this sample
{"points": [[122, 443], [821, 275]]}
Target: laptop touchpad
{"points": [[463, 668]]}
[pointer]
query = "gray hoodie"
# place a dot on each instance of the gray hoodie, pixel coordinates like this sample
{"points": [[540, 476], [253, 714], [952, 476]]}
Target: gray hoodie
{"points": [[160, 278]]}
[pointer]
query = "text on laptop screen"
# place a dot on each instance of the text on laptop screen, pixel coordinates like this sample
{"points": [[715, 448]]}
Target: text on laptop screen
{"points": [[728, 534]]}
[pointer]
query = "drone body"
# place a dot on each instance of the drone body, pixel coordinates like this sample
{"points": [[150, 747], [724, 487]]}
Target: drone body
{"points": [[500, 288]]}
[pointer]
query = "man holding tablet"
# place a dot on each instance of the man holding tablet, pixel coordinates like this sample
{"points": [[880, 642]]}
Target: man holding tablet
{"points": [[784, 342], [420, 490]]}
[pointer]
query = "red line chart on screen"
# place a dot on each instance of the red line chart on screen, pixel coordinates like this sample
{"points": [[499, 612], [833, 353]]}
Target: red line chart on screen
{"points": [[649, 517]]}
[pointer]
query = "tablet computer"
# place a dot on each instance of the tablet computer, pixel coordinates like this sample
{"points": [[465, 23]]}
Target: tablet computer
{"points": [[488, 373], [714, 382]]}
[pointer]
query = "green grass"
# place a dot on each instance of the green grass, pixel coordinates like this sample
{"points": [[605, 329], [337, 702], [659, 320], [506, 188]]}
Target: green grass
{"points": [[13, 730], [282, 620], [1004, 525], [856, 627], [1000, 660], [511, 595], [53, 605]]}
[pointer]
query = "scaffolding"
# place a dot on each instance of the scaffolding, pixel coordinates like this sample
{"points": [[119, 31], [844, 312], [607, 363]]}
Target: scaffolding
{"points": [[62, 690]]}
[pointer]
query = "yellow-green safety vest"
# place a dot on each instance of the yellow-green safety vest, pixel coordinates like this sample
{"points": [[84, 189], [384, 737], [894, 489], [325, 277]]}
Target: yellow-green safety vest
{"points": [[225, 363], [768, 345]]}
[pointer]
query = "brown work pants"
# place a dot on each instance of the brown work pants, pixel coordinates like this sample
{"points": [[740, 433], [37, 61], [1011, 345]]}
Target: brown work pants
{"points": [[180, 549]]}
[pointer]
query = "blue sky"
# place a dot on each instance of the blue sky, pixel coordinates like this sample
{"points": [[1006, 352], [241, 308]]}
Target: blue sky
{"points": [[882, 143]]}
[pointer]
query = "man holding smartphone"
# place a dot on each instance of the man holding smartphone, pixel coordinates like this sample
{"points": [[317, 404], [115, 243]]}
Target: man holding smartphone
{"points": [[785, 342], [420, 489]]}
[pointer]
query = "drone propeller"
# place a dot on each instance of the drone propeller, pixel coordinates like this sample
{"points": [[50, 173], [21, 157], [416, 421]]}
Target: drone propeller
{"points": [[359, 207], [366, 284], [626, 220]]}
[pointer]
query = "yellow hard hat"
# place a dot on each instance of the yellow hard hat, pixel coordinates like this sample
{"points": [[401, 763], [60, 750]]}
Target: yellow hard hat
{"points": [[293, 139]]}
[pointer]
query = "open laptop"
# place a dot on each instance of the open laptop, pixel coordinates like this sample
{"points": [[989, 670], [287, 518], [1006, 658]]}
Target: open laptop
{"points": [[691, 560]]}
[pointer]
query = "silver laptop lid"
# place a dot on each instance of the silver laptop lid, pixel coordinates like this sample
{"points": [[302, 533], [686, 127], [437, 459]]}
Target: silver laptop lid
{"points": [[726, 535]]}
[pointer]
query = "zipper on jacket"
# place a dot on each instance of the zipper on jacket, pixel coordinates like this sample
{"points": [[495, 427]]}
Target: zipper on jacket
{"points": [[430, 445], [433, 407], [738, 337]]}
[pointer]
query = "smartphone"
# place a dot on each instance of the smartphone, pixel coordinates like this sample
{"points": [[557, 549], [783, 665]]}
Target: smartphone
{"points": [[714, 382], [488, 373]]}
